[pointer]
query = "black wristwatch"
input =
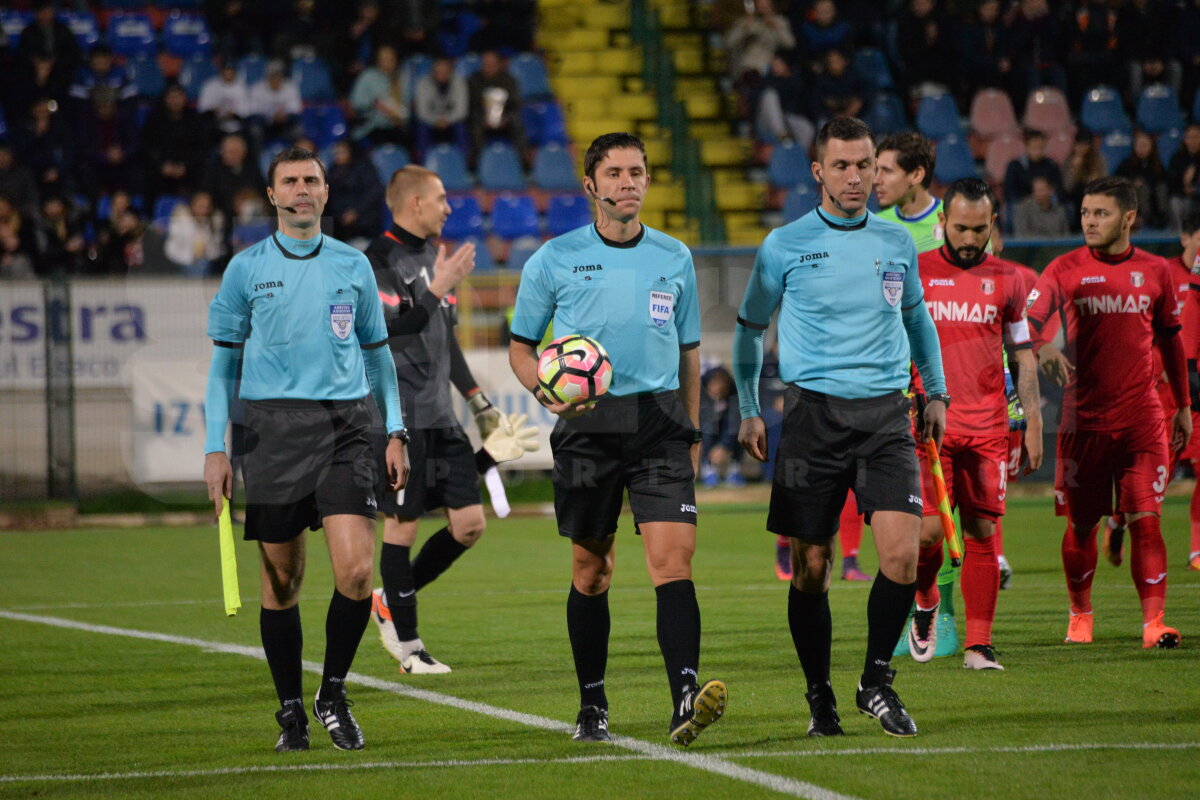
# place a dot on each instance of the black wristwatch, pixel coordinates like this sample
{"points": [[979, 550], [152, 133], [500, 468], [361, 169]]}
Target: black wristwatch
{"points": [[401, 434], [697, 436], [944, 397]]}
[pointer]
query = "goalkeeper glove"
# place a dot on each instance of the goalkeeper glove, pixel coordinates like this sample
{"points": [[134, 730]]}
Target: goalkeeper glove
{"points": [[486, 416], [512, 439]]}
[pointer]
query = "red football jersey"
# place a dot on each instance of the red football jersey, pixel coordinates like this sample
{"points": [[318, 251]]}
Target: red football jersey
{"points": [[1182, 276], [1114, 307], [975, 310]]}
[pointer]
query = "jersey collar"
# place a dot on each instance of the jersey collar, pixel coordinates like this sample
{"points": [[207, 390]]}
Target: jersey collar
{"points": [[1107, 259], [406, 238], [933, 204], [301, 244], [846, 225], [621, 245]]}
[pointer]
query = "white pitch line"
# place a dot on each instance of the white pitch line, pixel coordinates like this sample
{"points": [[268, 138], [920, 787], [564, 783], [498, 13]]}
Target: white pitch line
{"points": [[706, 763], [1066, 747]]}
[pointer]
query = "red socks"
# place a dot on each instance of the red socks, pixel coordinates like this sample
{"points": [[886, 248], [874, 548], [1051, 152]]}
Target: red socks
{"points": [[929, 562], [1079, 564], [1148, 563], [1194, 549], [851, 526], [980, 588]]}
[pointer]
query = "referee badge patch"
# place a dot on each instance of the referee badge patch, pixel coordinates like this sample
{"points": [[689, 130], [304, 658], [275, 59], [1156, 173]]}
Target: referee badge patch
{"points": [[662, 304], [341, 319], [893, 287]]}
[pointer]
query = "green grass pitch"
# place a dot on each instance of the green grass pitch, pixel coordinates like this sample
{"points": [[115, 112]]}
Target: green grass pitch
{"points": [[87, 713]]}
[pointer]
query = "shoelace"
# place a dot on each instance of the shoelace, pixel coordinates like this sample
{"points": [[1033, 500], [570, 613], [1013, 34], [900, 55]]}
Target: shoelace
{"points": [[924, 620], [424, 657], [890, 699]]}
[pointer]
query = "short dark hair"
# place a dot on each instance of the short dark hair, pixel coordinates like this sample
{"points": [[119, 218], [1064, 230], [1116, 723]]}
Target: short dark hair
{"points": [[291, 154], [601, 145], [912, 150], [845, 129], [970, 189], [1033, 133], [1190, 223], [1119, 189]]}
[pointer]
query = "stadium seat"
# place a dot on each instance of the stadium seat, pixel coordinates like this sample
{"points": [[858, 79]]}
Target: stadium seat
{"points": [[566, 212], [514, 216], [312, 77], [954, 160], [467, 64], [450, 165], [554, 169], [886, 115], [3, 124], [1103, 112], [500, 168], [130, 33], [323, 124], [194, 72], [252, 68], [454, 37], [465, 220], [164, 206], [484, 262], [789, 166], [414, 68], [872, 69], [530, 72], [84, 26], [544, 123], [992, 114], [937, 116], [145, 74], [521, 251], [267, 153], [388, 158], [1046, 110], [1116, 147], [186, 35], [1168, 145], [13, 22], [799, 201], [1001, 152], [1158, 109]]}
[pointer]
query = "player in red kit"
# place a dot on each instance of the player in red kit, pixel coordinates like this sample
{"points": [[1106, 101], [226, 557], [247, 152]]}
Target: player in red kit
{"points": [[977, 302], [1119, 301]]}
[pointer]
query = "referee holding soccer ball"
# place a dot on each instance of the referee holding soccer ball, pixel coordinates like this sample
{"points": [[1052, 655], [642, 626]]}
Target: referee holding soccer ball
{"points": [[300, 312], [633, 290]]}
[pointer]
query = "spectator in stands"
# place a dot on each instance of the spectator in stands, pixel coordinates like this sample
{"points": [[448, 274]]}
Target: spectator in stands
{"points": [[925, 48], [1040, 215], [1037, 41], [355, 196], [174, 145], [235, 34], [251, 224], [16, 181], [837, 91], [506, 25], [1143, 30], [1084, 164], [821, 32], [1018, 179], [107, 143], [61, 236], [1183, 175], [495, 105], [119, 242], [783, 106], [232, 170], [356, 45], [1151, 70], [196, 236], [47, 56], [983, 53], [752, 41], [1145, 171], [380, 99], [441, 104], [274, 105], [18, 243], [719, 420], [302, 34], [100, 72], [225, 98], [44, 144]]}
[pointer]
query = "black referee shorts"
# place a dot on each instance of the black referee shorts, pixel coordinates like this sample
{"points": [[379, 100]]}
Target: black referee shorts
{"points": [[306, 460], [641, 443], [441, 473], [831, 444]]}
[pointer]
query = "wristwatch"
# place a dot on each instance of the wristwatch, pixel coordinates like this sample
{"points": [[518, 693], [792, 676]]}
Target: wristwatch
{"points": [[944, 397], [697, 436], [401, 434]]}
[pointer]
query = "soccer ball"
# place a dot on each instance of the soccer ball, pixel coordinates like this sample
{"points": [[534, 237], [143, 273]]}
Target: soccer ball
{"points": [[574, 369]]}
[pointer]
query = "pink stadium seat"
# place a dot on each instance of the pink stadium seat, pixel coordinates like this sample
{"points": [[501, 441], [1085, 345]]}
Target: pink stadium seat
{"points": [[1058, 146], [992, 114], [1000, 152], [1046, 110]]}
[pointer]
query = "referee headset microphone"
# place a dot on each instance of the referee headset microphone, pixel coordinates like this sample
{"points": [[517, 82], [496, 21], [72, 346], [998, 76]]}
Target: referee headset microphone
{"points": [[284, 208], [591, 189]]}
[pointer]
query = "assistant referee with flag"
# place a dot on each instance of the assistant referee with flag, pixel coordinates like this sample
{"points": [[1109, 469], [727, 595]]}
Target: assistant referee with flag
{"points": [[300, 312]]}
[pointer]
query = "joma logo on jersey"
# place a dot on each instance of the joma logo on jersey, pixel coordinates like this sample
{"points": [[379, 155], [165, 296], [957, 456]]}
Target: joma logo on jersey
{"points": [[1113, 304], [941, 282], [963, 312], [806, 257], [1092, 279], [258, 287], [587, 268]]}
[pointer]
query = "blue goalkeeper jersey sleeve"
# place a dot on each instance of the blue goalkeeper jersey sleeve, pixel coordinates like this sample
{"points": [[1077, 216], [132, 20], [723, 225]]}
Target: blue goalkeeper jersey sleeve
{"points": [[637, 299], [841, 287], [303, 309]]}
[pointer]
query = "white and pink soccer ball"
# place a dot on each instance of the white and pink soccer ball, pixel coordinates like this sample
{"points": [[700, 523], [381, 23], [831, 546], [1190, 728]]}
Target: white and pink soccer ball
{"points": [[574, 369]]}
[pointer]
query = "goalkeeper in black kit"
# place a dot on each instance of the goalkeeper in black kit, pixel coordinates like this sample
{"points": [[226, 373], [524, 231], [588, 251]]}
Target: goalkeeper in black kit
{"points": [[416, 286]]}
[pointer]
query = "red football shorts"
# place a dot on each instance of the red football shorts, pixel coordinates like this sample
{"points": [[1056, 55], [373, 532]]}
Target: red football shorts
{"points": [[1091, 464], [976, 473]]}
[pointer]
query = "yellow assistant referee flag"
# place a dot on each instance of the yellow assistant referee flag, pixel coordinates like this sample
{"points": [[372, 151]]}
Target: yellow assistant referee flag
{"points": [[229, 576]]}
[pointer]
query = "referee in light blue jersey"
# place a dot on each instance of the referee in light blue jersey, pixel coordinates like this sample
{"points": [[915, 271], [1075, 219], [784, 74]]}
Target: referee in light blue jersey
{"points": [[301, 313], [633, 289], [852, 314]]}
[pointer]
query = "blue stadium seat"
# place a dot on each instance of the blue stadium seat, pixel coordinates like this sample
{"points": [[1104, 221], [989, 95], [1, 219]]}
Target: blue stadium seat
{"points": [[1158, 109], [530, 72], [789, 166], [3, 124], [500, 168], [195, 71], [388, 158], [544, 123], [145, 74], [450, 165], [554, 169], [514, 216], [1103, 113], [454, 38], [323, 124], [521, 251], [483, 256], [566, 212], [872, 68], [886, 114], [465, 220], [937, 116], [252, 68], [416, 67], [467, 64], [1116, 147], [163, 207], [799, 201], [13, 22], [954, 160], [186, 35], [1168, 145], [312, 77], [84, 26], [267, 153], [130, 33]]}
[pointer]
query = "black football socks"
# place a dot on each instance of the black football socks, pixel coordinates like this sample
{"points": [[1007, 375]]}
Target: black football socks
{"points": [[344, 626], [437, 554], [887, 611], [588, 624], [679, 634], [283, 642], [398, 588], [812, 633]]}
